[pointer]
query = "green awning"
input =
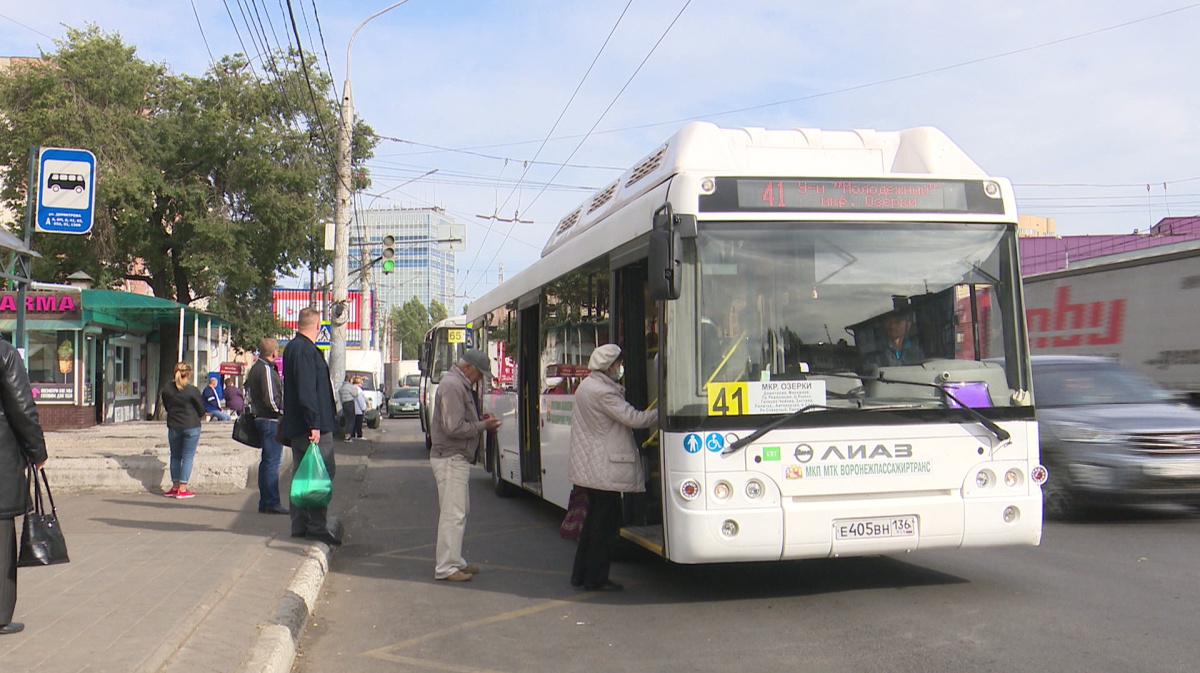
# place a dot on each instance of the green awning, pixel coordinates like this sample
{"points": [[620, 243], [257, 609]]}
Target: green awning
{"points": [[139, 312]]}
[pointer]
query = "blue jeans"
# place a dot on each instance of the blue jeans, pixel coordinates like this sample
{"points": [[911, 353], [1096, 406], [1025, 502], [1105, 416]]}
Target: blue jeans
{"points": [[268, 466], [220, 415], [183, 448]]}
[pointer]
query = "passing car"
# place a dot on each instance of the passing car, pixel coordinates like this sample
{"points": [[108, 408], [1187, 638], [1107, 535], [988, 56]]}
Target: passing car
{"points": [[1111, 436], [403, 402]]}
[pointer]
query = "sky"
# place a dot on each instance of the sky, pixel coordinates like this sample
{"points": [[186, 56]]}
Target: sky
{"points": [[1091, 108]]}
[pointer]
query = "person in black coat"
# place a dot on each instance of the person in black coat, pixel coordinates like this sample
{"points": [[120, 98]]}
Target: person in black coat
{"points": [[308, 416], [264, 390], [21, 443]]}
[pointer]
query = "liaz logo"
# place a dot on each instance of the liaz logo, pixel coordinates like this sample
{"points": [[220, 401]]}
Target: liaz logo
{"points": [[864, 452]]}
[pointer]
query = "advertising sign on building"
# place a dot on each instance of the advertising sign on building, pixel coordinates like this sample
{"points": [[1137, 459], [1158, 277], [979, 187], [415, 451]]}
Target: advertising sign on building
{"points": [[287, 304]]}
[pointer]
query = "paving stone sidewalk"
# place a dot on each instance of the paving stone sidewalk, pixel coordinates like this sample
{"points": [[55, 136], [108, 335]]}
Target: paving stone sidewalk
{"points": [[159, 585]]}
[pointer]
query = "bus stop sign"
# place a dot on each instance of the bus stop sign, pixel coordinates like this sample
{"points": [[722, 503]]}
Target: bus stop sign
{"points": [[66, 190]]}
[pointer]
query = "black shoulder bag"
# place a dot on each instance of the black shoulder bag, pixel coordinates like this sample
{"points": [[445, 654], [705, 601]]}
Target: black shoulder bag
{"points": [[42, 542]]}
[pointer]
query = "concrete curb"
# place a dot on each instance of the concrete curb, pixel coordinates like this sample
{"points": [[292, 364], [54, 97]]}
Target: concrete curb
{"points": [[274, 650]]}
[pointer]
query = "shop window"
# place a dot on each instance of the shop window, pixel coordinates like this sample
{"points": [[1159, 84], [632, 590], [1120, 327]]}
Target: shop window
{"points": [[50, 360], [125, 368]]}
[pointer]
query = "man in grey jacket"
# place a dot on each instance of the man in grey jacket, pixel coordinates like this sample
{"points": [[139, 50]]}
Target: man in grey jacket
{"points": [[456, 430]]}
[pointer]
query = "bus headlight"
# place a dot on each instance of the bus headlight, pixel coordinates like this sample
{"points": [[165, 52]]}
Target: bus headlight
{"points": [[754, 489], [984, 478], [689, 489], [1012, 478], [729, 528], [722, 490]]}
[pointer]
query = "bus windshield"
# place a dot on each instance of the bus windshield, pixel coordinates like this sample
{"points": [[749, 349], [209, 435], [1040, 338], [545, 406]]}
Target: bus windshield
{"points": [[844, 303]]}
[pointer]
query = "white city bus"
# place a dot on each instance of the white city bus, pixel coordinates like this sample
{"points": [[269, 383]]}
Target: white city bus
{"points": [[443, 345], [831, 325]]}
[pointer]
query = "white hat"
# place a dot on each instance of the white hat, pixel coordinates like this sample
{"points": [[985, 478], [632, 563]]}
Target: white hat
{"points": [[603, 357]]}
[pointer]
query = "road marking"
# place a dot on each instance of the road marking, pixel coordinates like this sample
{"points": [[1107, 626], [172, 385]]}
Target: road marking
{"points": [[387, 653]]}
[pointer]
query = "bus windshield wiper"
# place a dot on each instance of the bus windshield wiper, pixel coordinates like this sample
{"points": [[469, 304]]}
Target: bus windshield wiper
{"points": [[737, 446], [999, 432]]}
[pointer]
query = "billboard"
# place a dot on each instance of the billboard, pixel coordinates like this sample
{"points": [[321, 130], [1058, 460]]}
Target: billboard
{"points": [[286, 305]]}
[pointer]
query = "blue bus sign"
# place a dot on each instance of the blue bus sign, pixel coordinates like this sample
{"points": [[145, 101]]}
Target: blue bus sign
{"points": [[66, 190]]}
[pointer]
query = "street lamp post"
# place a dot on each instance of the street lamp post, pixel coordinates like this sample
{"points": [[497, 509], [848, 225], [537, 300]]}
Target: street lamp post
{"points": [[341, 220]]}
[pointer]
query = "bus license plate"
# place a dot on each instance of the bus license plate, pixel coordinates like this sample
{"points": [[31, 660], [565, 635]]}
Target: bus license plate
{"points": [[879, 527]]}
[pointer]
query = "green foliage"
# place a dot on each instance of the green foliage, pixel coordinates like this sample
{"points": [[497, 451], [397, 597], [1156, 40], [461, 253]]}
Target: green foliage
{"points": [[411, 321], [207, 187]]}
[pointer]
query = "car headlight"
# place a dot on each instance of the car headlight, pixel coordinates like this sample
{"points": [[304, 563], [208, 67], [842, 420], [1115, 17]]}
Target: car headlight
{"points": [[1076, 432]]}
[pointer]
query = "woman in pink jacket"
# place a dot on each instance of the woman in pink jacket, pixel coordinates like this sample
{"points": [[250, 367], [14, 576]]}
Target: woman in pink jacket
{"points": [[604, 461]]}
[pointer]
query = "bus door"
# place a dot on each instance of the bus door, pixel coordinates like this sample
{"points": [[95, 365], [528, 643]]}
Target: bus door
{"points": [[528, 393], [635, 329]]}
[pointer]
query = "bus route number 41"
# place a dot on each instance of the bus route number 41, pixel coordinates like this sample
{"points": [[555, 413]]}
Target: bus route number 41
{"points": [[728, 399]]}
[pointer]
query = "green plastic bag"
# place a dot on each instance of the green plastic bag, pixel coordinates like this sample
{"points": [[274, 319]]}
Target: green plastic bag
{"points": [[311, 485]]}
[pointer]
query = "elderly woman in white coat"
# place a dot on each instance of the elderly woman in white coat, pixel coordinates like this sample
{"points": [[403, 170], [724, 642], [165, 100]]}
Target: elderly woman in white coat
{"points": [[605, 462]]}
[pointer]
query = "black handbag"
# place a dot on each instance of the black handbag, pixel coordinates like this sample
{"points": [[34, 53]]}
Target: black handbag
{"points": [[246, 431], [42, 541]]}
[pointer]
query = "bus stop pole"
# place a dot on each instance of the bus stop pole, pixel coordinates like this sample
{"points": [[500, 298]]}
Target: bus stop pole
{"points": [[24, 261]]}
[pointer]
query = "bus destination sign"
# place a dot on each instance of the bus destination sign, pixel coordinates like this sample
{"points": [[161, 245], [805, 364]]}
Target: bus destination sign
{"points": [[863, 195]]}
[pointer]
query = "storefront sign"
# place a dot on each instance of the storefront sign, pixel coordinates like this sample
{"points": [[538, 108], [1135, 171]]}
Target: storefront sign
{"points": [[230, 369], [53, 392], [46, 305]]}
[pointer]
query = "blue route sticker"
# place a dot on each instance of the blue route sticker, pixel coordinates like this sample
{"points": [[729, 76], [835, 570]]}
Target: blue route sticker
{"points": [[692, 443], [715, 441]]}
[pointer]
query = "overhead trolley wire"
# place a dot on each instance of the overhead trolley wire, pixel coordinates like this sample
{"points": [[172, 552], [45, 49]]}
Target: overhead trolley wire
{"points": [[593, 128], [516, 212], [237, 32]]}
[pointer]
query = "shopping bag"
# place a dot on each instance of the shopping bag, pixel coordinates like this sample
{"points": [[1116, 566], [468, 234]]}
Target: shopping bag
{"points": [[577, 507], [311, 485], [245, 431], [42, 542]]}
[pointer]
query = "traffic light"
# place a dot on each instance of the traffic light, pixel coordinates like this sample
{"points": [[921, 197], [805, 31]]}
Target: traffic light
{"points": [[389, 254]]}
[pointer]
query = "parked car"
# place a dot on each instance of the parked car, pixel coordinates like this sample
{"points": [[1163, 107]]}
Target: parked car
{"points": [[404, 402], [1110, 435]]}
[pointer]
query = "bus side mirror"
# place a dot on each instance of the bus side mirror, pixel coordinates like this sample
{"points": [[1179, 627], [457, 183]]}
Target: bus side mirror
{"points": [[423, 358], [666, 247]]}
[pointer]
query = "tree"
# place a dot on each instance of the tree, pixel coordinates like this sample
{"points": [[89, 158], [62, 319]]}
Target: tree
{"points": [[411, 321], [214, 185]]}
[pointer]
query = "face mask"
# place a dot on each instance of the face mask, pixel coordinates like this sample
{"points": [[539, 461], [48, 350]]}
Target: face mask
{"points": [[619, 374]]}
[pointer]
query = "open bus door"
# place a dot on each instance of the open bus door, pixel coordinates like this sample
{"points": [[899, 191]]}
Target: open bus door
{"points": [[528, 397], [635, 320]]}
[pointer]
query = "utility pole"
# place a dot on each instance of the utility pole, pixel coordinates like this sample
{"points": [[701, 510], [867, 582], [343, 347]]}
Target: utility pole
{"points": [[366, 309], [339, 312]]}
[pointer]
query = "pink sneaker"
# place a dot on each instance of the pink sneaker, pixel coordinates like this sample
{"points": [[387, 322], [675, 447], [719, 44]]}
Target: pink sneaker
{"points": [[171, 493], [184, 493]]}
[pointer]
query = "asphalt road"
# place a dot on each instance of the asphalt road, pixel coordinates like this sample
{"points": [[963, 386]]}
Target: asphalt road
{"points": [[1118, 592]]}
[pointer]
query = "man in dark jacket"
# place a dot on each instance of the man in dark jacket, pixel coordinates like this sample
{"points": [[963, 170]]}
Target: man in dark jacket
{"points": [[264, 387], [21, 442], [308, 415]]}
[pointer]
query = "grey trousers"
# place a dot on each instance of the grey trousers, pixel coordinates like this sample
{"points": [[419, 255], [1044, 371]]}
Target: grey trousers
{"points": [[8, 569], [310, 520]]}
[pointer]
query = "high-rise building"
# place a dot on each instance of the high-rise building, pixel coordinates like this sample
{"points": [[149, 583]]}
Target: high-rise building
{"points": [[424, 267], [1032, 225]]}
